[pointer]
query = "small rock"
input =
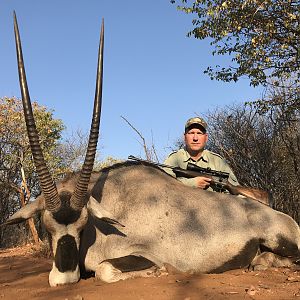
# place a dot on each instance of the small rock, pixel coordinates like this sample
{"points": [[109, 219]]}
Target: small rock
{"points": [[297, 294], [251, 290], [292, 279], [263, 286]]}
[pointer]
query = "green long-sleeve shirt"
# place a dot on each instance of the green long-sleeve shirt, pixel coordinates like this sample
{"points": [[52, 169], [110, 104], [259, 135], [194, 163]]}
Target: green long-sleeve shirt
{"points": [[208, 159]]}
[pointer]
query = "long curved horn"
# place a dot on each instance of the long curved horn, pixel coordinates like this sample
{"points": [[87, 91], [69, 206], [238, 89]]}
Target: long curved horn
{"points": [[78, 199], [48, 187]]}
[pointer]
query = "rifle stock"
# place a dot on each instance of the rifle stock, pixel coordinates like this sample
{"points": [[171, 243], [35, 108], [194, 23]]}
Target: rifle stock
{"points": [[249, 192], [220, 183]]}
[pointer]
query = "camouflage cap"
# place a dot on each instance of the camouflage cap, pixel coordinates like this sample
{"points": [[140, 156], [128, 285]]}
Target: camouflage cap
{"points": [[196, 120]]}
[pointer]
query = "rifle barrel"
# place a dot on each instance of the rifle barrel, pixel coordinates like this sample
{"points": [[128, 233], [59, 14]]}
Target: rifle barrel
{"points": [[131, 157], [190, 168]]}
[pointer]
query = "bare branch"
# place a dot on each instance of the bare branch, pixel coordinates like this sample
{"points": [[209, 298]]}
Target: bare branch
{"points": [[148, 157]]}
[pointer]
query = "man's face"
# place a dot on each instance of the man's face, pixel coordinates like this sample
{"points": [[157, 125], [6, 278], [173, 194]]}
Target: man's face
{"points": [[195, 140]]}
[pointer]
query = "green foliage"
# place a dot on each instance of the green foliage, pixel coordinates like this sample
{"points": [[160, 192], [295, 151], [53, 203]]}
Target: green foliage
{"points": [[15, 154], [262, 37], [14, 144]]}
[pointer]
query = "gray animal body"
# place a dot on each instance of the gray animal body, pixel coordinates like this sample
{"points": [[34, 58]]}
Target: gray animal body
{"points": [[138, 211], [190, 229], [125, 219]]}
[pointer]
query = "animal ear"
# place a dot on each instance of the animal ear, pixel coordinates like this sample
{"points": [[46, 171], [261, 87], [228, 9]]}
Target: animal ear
{"points": [[27, 211], [96, 209]]}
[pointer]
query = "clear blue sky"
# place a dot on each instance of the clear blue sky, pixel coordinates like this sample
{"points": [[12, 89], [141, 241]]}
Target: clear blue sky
{"points": [[153, 73]]}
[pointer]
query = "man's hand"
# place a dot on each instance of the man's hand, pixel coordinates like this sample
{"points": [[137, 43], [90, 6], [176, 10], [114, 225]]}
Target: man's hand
{"points": [[203, 182]]}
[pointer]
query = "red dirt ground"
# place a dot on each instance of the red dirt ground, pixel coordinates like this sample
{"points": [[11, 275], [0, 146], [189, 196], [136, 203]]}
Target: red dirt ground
{"points": [[25, 276]]}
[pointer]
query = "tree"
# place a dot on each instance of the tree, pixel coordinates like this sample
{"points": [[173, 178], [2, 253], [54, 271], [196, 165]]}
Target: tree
{"points": [[73, 149], [262, 149], [284, 98], [17, 173], [261, 36]]}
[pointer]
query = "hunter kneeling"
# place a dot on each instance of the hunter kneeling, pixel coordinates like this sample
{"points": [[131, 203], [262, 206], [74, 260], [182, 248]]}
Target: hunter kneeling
{"points": [[198, 167]]}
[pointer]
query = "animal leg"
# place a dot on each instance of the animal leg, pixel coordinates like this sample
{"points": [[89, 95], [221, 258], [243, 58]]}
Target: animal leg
{"points": [[127, 267], [266, 260]]}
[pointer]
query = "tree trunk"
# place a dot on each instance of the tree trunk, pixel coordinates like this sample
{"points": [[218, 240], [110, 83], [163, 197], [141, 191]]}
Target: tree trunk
{"points": [[24, 199]]}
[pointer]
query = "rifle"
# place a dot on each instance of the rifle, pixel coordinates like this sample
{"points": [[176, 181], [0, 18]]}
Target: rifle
{"points": [[219, 180]]}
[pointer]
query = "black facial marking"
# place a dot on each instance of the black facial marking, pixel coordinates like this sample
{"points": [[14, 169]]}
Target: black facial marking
{"points": [[67, 255], [242, 259], [66, 214]]}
